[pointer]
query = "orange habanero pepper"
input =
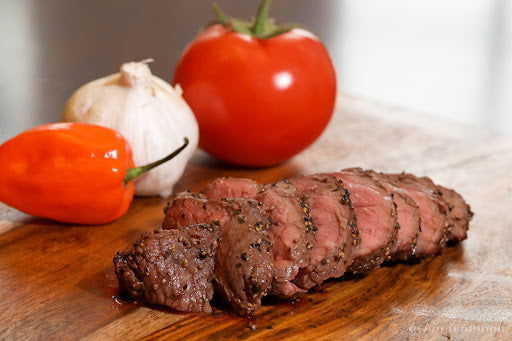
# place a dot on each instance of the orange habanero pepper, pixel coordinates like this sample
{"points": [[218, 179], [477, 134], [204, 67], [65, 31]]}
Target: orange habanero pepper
{"points": [[70, 172]]}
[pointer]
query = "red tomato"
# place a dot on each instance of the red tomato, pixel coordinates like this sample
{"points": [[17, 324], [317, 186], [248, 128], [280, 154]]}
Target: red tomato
{"points": [[258, 102]]}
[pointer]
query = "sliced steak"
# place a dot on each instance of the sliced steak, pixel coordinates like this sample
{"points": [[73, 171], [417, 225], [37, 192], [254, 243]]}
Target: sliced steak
{"points": [[408, 217], [292, 229], [171, 268], [229, 187], [336, 234], [186, 208], [246, 240], [376, 218], [459, 213], [434, 227], [293, 233], [244, 261]]}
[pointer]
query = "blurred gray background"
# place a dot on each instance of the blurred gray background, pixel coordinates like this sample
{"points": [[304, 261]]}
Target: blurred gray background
{"points": [[444, 58]]}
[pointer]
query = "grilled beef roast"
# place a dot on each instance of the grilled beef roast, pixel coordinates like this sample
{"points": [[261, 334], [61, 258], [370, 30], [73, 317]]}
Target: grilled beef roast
{"points": [[245, 240]]}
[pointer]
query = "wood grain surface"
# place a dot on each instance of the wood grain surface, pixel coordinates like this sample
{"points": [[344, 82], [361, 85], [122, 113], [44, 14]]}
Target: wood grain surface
{"points": [[57, 281]]}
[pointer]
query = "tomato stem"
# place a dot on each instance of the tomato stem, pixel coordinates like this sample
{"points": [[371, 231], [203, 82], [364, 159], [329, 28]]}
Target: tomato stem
{"points": [[221, 18], [132, 173], [258, 29], [261, 27]]}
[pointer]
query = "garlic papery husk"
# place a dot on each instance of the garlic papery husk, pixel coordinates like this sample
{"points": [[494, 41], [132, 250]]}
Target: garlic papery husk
{"points": [[151, 115]]}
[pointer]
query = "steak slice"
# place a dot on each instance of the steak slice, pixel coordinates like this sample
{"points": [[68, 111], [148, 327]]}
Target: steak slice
{"points": [[244, 262], [336, 234], [459, 213], [434, 227], [186, 208], [292, 229], [376, 218], [293, 232], [171, 267], [229, 187], [408, 217]]}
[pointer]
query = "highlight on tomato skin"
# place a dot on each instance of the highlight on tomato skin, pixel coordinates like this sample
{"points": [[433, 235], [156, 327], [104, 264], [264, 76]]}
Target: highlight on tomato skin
{"points": [[258, 101]]}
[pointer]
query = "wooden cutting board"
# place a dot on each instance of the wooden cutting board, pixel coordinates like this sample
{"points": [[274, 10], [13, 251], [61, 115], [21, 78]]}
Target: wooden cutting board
{"points": [[57, 281]]}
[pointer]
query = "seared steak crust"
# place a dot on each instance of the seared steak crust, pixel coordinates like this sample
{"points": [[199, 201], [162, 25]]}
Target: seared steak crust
{"points": [[336, 234], [171, 267], [459, 213], [376, 218]]}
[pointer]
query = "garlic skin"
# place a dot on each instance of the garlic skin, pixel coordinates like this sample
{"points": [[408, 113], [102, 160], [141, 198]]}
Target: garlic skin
{"points": [[151, 115]]}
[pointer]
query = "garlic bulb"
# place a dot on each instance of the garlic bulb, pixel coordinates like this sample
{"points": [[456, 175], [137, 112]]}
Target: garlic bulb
{"points": [[149, 112]]}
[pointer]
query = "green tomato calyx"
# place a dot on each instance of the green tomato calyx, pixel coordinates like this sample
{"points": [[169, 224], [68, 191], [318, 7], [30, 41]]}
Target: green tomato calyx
{"points": [[260, 27]]}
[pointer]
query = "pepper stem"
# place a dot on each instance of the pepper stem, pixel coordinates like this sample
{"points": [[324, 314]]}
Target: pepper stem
{"points": [[132, 173]]}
